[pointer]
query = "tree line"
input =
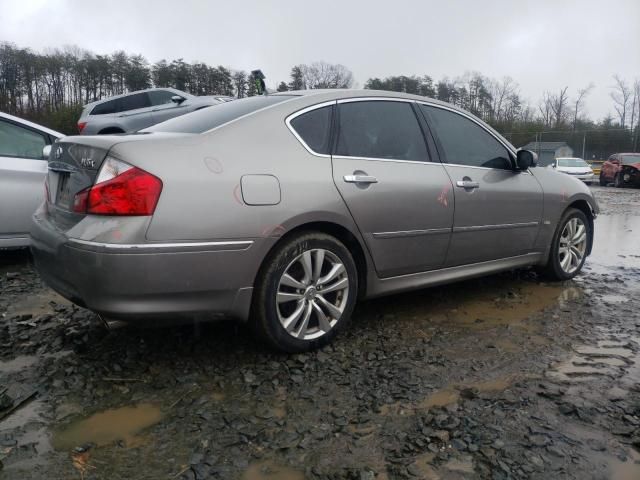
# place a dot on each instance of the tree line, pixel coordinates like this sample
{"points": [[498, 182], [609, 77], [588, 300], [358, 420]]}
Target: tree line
{"points": [[51, 88]]}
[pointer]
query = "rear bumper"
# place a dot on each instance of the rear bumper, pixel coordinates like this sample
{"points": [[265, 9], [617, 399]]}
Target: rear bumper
{"points": [[131, 282]]}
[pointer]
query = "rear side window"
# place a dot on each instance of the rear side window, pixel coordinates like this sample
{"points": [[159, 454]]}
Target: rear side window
{"points": [[314, 128], [206, 119], [105, 108], [133, 102], [464, 142], [380, 129], [16, 141]]}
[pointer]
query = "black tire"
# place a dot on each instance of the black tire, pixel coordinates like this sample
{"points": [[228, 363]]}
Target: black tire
{"points": [[603, 182], [264, 310], [618, 181], [552, 269], [110, 131]]}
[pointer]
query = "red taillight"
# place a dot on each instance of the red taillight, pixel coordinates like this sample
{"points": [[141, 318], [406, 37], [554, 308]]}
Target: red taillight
{"points": [[81, 126], [125, 190]]}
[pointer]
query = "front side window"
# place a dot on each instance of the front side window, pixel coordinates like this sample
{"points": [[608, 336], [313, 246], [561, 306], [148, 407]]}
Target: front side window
{"points": [[160, 97], [314, 128], [464, 142], [16, 141], [133, 102], [380, 129]]}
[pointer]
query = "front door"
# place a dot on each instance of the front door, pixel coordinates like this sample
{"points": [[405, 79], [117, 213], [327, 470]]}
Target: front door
{"points": [[498, 210], [22, 173], [400, 200]]}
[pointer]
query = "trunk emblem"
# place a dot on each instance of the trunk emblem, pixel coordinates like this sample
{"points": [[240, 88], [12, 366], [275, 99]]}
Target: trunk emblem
{"points": [[58, 153]]}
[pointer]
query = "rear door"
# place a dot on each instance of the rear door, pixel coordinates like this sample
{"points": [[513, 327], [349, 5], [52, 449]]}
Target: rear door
{"points": [[22, 173], [400, 199], [498, 210]]}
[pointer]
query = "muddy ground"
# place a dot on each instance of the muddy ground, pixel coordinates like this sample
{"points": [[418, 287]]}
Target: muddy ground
{"points": [[501, 377]]}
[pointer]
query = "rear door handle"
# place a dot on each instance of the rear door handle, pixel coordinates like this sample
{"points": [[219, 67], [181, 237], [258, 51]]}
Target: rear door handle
{"points": [[360, 179], [467, 184]]}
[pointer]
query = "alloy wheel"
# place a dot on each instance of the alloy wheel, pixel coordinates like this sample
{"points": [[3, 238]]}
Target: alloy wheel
{"points": [[312, 294], [573, 245]]}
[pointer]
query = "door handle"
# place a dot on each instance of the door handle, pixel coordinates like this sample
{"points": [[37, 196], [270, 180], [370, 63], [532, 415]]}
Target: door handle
{"points": [[467, 184], [360, 179]]}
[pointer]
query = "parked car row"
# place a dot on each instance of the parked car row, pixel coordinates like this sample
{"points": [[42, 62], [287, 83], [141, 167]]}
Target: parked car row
{"points": [[283, 210]]}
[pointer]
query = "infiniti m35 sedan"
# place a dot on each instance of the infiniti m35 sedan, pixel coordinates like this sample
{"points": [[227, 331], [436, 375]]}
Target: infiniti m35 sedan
{"points": [[284, 210]]}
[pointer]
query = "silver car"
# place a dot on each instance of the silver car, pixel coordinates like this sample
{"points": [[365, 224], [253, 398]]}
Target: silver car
{"points": [[283, 210], [137, 110], [24, 147]]}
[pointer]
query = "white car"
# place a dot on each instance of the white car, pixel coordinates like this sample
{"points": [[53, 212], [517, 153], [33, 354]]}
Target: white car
{"points": [[575, 167], [24, 151]]}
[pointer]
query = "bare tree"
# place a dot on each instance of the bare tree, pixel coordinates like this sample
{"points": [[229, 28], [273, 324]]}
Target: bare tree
{"points": [[635, 113], [621, 95], [579, 102], [326, 75], [558, 104], [545, 108]]}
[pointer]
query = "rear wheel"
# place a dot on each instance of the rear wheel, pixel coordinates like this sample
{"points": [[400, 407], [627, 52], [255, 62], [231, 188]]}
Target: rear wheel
{"points": [[306, 293], [569, 246]]}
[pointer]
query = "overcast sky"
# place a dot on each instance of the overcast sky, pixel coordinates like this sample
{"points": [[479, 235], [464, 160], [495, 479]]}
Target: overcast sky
{"points": [[542, 44]]}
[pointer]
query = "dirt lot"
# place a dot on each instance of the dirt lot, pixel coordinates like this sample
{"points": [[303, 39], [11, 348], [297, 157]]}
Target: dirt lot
{"points": [[502, 377]]}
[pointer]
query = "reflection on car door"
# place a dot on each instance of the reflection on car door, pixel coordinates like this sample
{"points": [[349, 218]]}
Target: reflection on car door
{"points": [[401, 202], [498, 210], [163, 107], [22, 173]]}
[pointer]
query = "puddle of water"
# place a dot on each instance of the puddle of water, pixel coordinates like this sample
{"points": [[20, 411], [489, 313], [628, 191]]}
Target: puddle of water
{"points": [[109, 426], [621, 231], [268, 470], [629, 470], [604, 352], [451, 394]]}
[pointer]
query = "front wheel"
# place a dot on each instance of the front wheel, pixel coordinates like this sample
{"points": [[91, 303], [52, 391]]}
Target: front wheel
{"points": [[569, 245], [618, 181], [603, 182], [306, 293]]}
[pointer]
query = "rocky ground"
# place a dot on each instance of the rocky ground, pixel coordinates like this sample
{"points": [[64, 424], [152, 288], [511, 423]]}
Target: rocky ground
{"points": [[501, 377]]}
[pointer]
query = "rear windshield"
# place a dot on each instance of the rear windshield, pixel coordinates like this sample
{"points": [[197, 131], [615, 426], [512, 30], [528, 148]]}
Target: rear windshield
{"points": [[572, 162], [630, 159], [212, 117]]}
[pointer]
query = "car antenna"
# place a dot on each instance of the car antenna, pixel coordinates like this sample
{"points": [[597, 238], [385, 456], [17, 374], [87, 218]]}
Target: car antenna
{"points": [[258, 78]]}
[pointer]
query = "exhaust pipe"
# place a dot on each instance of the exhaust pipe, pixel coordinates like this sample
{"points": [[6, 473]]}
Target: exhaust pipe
{"points": [[112, 324]]}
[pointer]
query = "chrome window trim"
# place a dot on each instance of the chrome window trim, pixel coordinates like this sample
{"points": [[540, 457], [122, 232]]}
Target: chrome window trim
{"points": [[411, 233], [294, 115], [369, 99], [237, 245]]}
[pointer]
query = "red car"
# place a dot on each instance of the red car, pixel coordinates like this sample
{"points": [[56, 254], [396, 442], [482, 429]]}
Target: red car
{"points": [[622, 169]]}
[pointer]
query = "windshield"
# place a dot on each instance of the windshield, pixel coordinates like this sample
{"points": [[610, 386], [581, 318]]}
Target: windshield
{"points": [[630, 159], [572, 162], [212, 117]]}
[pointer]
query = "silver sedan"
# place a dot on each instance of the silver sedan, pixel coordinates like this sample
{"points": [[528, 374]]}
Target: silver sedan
{"points": [[283, 210]]}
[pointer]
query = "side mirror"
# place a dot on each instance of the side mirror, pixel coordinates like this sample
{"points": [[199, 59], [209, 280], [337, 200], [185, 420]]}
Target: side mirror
{"points": [[177, 99], [46, 151], [525, 159]]}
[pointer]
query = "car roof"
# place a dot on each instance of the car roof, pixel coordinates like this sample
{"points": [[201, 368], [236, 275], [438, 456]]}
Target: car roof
{"points": [[27, 123]]}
